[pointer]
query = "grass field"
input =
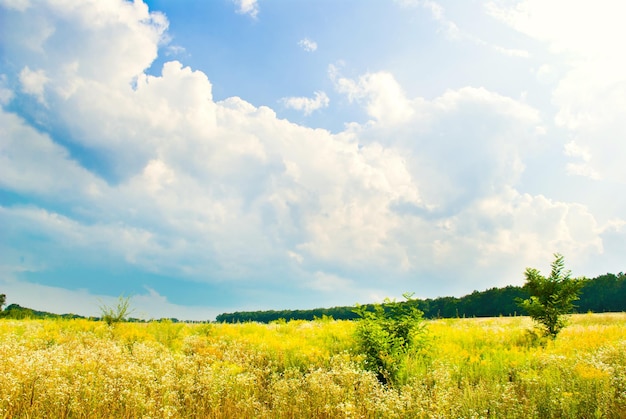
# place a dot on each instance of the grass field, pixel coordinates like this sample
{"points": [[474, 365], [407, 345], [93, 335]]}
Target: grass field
{"points": [[470, 368]]}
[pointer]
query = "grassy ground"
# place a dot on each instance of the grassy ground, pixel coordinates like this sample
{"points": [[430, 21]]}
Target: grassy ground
{"points": [[471, 368]]}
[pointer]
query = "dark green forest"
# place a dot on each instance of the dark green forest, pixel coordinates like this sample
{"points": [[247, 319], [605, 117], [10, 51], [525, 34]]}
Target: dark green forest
{"points": [[15, 311], [605, 293]]}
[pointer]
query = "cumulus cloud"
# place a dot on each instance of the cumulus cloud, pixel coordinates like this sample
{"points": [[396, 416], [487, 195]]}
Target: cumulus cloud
{"points": [[31, 162], [111, 43], [589, 94], [582, 167], [33, 82], [536, 18], [383, 97], [247, 7], [464, 152], [501, 233], [463, 173], [305, 104], [307, 45], [225, 192]]}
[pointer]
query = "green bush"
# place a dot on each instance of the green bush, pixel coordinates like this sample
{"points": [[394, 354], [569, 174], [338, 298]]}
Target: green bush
{"points": [[116, 314], [551, 297], [386, 334]]}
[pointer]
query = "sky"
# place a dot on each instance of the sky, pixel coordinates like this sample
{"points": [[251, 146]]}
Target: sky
{"points": [[204, 157]]}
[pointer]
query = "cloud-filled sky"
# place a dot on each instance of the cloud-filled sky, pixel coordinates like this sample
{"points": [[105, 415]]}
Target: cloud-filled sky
{"points": [[213, 156]]}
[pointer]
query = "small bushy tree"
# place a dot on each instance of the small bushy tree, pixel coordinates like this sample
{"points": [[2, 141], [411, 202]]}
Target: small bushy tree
{"points": [[117, 313], [387, 334], [3, 300], [552, 297]]}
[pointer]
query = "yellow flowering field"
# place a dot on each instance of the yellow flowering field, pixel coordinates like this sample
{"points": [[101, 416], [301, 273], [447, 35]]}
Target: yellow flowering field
{"points": [[469, 368]]}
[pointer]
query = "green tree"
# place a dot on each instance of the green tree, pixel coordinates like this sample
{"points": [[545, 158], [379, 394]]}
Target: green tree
{"points": [[387, 334], [117, 313], [552, 297], [3, 300]]}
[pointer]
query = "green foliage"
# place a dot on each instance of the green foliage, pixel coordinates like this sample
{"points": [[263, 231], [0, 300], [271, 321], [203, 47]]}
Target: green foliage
{"points": [[604, 293], [387, 334], [552, 297], [3, 300], [116, 314], [14, 311], [17, 312], [267, 316]]}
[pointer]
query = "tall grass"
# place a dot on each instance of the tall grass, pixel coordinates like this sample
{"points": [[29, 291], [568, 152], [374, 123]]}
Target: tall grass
{"points": [[471, 368]]}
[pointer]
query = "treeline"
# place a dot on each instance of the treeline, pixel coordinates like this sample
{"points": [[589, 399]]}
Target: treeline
{"points": [[15, 311], [605, 293]]}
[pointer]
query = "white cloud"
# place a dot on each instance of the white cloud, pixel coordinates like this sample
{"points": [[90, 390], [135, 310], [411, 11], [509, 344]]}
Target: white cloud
{"points": [[30, 162], [110, 42], [383, 97], [512, 52], [546, 74], [305, 104], [218, 179], [582, 167], [534, 225], [307, 45], [330, 283], [175, 50], [226, 191], [247, 7], [572, 149], [33, 82], [502, 234], [408, 3], [20, 5], [590, 91], [437, 12], [548, 22], [131, 243]]}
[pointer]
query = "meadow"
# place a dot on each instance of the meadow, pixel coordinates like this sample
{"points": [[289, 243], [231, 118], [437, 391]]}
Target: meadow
{"points": [[469, 368]]}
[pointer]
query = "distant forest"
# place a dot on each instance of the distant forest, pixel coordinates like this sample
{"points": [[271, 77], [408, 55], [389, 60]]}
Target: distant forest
{"points": [[605, 293], [15, 311]]}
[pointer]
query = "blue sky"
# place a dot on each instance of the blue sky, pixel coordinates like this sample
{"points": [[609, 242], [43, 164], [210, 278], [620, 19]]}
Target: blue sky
{"points": [[205, 157]]}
